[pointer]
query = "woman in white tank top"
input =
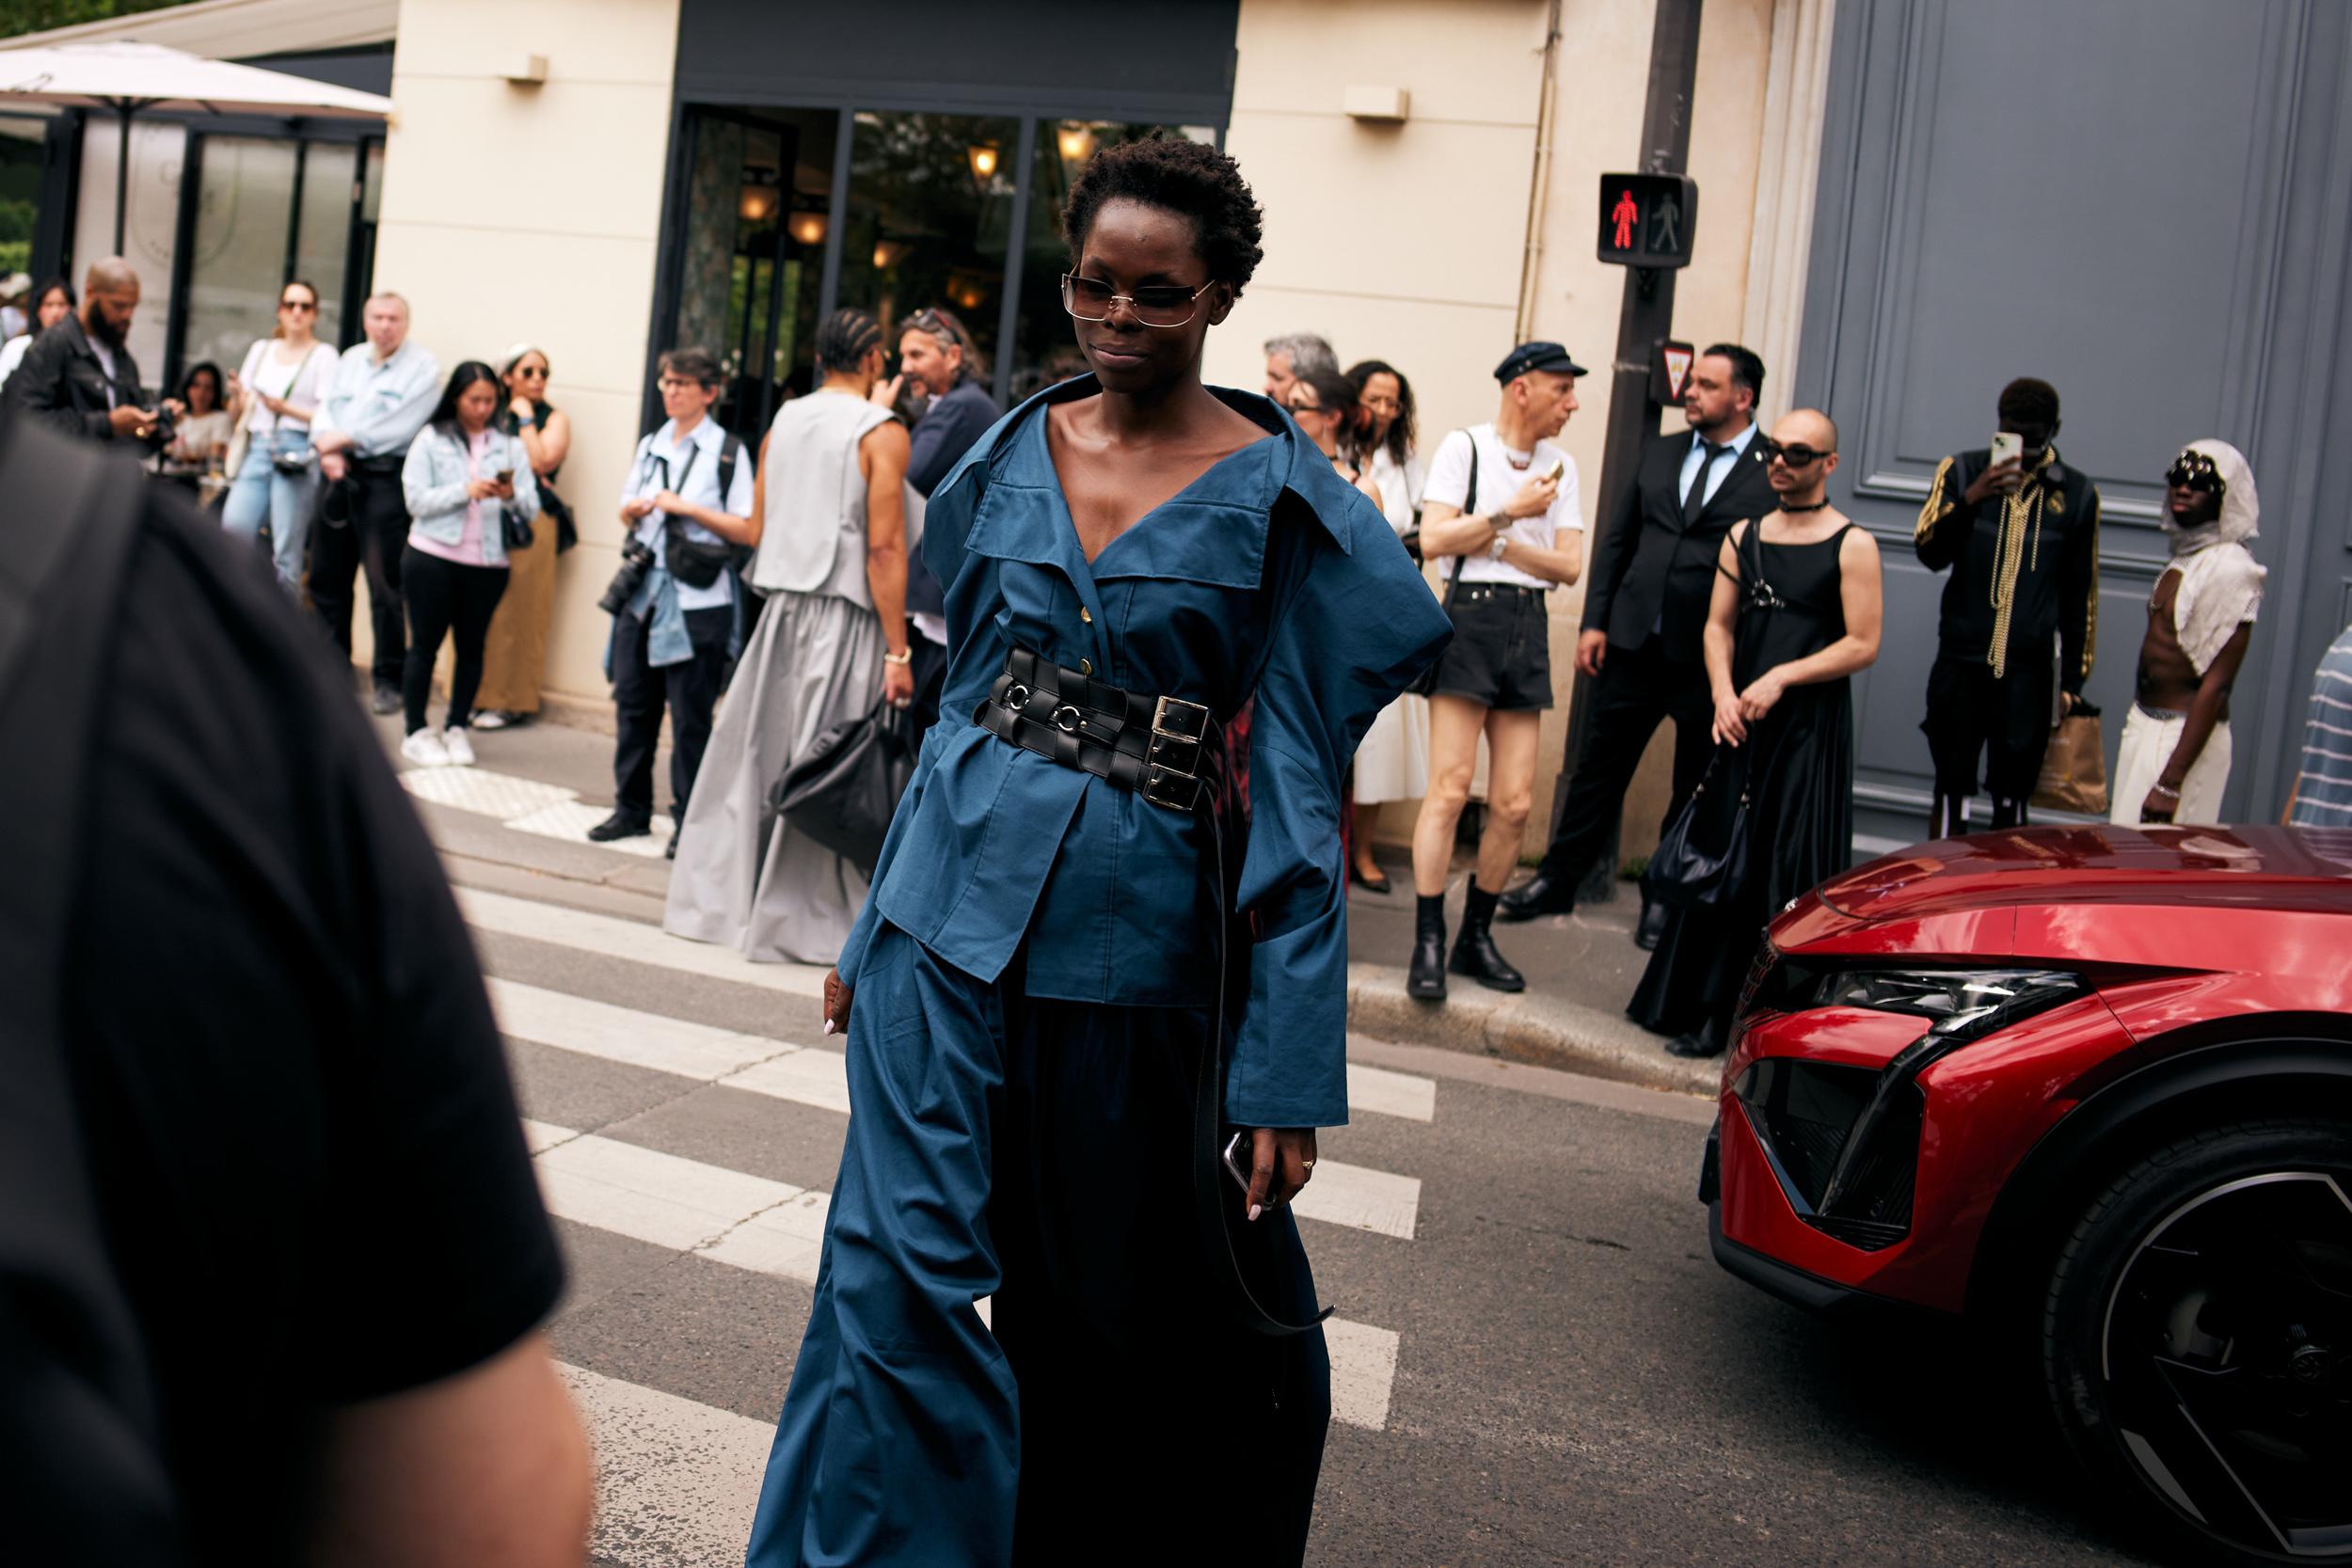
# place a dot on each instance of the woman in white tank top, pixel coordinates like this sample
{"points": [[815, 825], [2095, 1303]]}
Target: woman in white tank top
{"points": [[284, 378]]}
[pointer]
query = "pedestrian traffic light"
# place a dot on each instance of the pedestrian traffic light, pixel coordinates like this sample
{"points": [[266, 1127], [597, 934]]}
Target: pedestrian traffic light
{"points": [[1648, 220]]}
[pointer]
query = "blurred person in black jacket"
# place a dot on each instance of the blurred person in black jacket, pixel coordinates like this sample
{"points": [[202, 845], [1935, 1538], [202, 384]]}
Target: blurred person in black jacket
{"points": [[1645, 606], [79, 374], [272, 1257]]}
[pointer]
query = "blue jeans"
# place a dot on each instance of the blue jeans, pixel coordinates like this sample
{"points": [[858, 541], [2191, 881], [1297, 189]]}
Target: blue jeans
{"points": [[286, 500]]}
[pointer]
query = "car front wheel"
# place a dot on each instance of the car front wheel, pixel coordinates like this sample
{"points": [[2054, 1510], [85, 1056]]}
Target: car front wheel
{"points": [[2196, 1341]]}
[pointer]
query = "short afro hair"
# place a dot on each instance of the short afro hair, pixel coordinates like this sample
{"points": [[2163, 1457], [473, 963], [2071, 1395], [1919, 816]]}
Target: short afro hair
{"points": [[2026, 401], [1177, 176]]}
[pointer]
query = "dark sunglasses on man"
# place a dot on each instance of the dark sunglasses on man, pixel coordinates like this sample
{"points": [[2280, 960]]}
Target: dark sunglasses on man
{"points": [[1795, 455]]}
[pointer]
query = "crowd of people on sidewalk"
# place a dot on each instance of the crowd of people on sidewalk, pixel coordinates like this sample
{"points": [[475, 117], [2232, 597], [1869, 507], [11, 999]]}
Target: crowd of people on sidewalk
{"points": [[1723, 593]]}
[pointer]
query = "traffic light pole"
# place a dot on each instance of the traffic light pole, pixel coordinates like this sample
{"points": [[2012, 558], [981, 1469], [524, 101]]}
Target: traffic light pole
{"points": [[1645, 318]]}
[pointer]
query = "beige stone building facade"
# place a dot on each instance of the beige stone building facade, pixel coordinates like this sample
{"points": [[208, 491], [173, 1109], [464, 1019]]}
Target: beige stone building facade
{"points": [[1435, 241]]}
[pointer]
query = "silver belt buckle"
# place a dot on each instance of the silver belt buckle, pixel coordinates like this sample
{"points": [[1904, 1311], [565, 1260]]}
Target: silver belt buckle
{"points": [[1178, 728]]}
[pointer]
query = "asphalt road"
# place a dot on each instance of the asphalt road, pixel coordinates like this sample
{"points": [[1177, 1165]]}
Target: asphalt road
{"points": [[1539, 1361], [1575, 1379]]}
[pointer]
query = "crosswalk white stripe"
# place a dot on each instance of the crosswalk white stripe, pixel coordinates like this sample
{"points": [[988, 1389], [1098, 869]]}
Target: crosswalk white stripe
{"points": [[1361, 1198], [610, 937], [625, 1034], [1391, 1094], [1363, 1371], [769, 1228], [810, 1075], [676, 1481]]}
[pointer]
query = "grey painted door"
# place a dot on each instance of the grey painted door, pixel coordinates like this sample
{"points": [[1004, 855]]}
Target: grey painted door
{"points": [[2142, 201]]}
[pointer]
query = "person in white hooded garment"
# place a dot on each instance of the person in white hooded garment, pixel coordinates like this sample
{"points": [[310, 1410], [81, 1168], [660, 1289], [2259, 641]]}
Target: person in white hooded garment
{"points": [[2174, 760]]}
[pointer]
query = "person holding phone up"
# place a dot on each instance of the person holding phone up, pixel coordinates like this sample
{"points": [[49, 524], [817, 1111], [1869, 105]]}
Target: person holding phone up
{"points": [[470, 496], [1502, 502], [2019, 532]]}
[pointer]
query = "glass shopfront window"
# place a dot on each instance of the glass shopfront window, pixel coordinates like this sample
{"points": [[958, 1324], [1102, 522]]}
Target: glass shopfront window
{"points": [[933, 209], [20, 141], [269, 210], [929, 213]]}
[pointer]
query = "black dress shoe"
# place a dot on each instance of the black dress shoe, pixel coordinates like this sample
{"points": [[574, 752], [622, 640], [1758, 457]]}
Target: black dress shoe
{"points": [[1541, 895], [1426, 980], [1370, 885], [621, 824], [1705, 1040], [386, 698], [670, 853], [1651, 927]]}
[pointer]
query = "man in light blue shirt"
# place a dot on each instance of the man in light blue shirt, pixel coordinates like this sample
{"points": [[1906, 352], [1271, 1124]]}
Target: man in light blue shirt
{"points": [[382, 392], [2323, 788], [672, 634]]}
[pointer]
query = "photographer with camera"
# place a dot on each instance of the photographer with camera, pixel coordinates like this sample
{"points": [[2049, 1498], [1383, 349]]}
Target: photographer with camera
{"points": [[688, 498], [79, 374]]}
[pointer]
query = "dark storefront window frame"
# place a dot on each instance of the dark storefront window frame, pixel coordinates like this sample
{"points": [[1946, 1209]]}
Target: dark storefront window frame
{"points": [[1044, 110]]}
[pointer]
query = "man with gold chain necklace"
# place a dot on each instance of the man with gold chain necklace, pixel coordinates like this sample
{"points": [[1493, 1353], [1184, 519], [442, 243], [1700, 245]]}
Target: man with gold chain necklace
{"points": [[2021, 537]]}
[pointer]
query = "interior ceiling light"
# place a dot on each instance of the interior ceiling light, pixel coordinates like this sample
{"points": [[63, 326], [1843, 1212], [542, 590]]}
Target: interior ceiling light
{"points": [[1077, 142], [983, 158], [807, 228]]}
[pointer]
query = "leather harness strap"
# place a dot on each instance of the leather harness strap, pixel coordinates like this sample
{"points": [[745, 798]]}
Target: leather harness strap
{"points": [[1171, 752]]}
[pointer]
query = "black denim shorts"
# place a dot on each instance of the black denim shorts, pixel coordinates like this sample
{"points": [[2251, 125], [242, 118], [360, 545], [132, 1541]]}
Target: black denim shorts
{"points": [[1501, 656]]}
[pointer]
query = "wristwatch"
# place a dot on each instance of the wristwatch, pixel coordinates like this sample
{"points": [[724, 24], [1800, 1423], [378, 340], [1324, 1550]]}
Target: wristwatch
{"points": [[1503, 541]]}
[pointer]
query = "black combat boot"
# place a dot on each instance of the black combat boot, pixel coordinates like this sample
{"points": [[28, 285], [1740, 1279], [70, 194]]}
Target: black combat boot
{"points": [[1426, 980], [1474, 952]]}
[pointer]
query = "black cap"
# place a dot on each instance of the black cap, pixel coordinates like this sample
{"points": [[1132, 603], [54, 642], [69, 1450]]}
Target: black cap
{"points": [[1536, 356]]}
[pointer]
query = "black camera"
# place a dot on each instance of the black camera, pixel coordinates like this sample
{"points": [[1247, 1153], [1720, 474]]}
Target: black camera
{"points": [[636, 561]]}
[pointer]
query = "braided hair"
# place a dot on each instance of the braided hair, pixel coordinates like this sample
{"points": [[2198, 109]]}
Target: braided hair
{"points": [[845, 337], [1189, 178]]}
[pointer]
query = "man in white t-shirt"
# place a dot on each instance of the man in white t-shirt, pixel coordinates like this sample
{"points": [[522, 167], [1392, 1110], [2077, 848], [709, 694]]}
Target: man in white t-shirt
{"points": [[1501, 512]]}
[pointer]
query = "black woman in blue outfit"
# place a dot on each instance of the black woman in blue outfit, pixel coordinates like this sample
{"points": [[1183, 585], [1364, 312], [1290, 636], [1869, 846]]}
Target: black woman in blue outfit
{"points": [[1129, 558]]}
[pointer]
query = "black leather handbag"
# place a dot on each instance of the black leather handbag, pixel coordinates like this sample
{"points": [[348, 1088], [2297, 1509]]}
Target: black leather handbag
{"points": [[843, 792], [1702, 856]]}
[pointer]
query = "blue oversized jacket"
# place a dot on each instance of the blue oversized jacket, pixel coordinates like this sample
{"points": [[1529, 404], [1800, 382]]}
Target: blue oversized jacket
{"points": [[1266, 574]]}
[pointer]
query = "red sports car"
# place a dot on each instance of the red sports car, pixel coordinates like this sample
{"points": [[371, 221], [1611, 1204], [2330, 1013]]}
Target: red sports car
{"points": [[2095, 1082]]}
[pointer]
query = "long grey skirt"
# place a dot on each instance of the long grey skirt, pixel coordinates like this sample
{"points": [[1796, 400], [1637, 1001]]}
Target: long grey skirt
{"points": [[742, 878]]}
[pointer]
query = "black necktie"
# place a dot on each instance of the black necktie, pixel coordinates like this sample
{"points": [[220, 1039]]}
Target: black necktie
{"points": [[1693, 503]]}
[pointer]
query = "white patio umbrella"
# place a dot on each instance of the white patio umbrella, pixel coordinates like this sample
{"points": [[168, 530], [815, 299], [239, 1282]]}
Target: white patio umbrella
{"points": [[129, 77]]}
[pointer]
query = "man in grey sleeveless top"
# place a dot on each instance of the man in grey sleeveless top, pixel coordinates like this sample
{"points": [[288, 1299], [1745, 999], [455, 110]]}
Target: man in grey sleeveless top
{"points": [[830, 527]]}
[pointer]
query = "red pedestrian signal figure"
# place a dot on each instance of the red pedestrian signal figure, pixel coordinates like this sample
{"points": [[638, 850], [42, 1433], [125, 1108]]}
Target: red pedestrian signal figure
{"points": [[1626, 214]]}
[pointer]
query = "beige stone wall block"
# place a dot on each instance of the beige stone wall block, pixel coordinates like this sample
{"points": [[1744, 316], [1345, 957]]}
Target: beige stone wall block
{"points": [[1331, 191], [560, 252], [1476, 61], [613, 140], [585, 41]]}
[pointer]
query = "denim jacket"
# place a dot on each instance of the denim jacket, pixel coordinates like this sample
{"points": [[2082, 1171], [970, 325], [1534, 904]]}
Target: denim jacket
{"points": [[1266, 577], [433, 479]]}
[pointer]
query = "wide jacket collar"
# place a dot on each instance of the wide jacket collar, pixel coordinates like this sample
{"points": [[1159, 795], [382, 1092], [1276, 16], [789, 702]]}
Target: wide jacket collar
{"points": [[1214, 531]]}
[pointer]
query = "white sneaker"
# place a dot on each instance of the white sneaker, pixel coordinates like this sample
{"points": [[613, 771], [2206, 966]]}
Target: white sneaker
{"points": [[426, 749], [460, 749]]}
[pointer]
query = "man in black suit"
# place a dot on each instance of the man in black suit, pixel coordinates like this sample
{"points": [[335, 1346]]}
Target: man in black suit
{"points": [[1644, 610]]}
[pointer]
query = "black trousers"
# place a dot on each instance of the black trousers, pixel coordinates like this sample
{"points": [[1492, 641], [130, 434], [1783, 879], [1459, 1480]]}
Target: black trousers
{"points": [[372, 540], [1637, 688], [2004, 719], [445, 597], [690, 690]]}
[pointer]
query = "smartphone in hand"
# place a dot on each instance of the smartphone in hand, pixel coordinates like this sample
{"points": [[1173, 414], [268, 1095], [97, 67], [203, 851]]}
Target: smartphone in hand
{"points": [[2008, 447], [1559, 466], [506, 475]]}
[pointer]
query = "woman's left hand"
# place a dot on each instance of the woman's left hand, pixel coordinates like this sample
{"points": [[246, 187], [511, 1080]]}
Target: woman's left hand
{"points": [[1757, 700], [1283, 1161]]}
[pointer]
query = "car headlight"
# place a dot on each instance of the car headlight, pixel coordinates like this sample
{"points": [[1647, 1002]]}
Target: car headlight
{"points": [[1844, 1140]]}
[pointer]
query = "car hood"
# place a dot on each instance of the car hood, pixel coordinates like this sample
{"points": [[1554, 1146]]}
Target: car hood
{"points": [[2298, 868]]}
